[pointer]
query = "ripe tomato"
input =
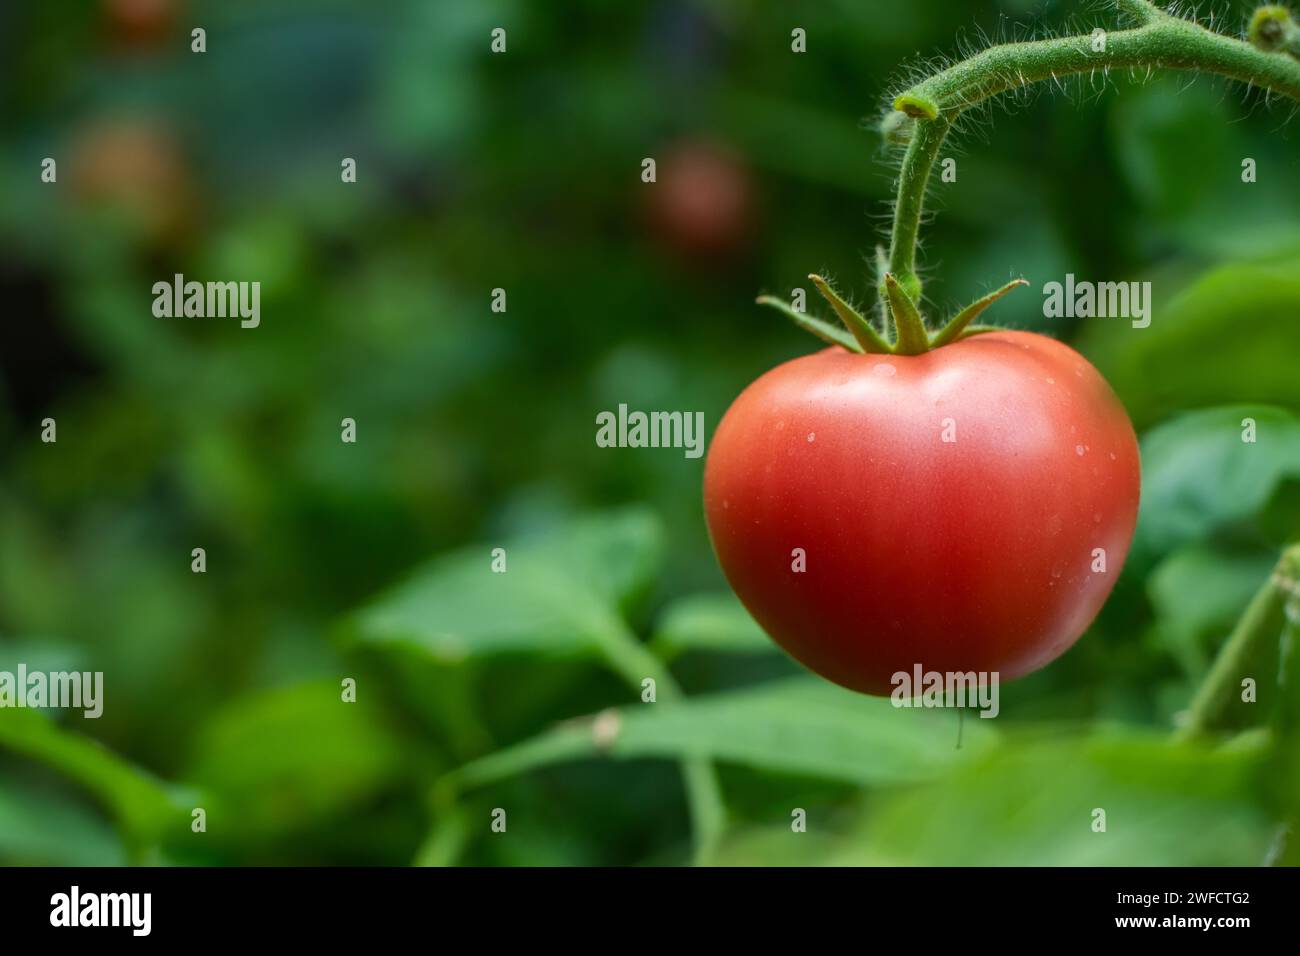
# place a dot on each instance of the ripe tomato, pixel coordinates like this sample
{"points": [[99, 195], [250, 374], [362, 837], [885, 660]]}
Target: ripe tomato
{"points": [[140, 24], [702, 206], [964, 509]]}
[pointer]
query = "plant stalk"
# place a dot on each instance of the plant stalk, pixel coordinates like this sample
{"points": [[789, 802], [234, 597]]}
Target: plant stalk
{"points": [[1160, 41], [628, 657], [1252, 643]]}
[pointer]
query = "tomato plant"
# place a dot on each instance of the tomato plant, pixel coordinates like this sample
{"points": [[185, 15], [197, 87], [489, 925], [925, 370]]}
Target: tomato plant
{"points": [[957, 499]]}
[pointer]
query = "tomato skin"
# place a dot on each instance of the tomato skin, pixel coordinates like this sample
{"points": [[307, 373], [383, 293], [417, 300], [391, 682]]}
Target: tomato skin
{"points": [[974, 554]]}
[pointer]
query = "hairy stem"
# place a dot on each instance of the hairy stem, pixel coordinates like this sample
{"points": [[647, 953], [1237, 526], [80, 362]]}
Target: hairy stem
{"points": [[913, 178], [1160, 41], [1143, 11]]}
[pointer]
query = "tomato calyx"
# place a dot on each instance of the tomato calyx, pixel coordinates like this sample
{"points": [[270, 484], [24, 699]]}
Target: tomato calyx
{"points": [[910, 335]]}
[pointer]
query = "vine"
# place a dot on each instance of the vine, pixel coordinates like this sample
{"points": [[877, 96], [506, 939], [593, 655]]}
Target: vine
{"points": [[923, 115]]}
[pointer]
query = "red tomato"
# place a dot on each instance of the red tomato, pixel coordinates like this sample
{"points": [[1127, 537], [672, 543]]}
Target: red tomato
{"points": [[702, 205], [977, 553], [140, 24]]}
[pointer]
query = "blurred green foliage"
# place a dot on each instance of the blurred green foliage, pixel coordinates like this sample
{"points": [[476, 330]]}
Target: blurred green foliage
{"points": [[475, 430]]}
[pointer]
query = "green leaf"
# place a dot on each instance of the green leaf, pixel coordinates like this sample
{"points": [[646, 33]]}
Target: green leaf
{"points": [[279, 760], [560, 595], [44, 656], [1200, 480], [1284, 770], [1231, 336], [780, 845], [710, 622], [1177, 207], [1034, 803], [43, 828], [799, 726], [144, 807]]}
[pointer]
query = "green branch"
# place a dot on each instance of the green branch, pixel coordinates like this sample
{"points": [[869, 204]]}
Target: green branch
{"points": [[1159, 41], [633, 661], [1249, 651], [1143, 11], [927, 139]]}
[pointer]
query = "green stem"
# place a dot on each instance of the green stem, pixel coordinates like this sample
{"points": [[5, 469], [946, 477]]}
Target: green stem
{"points": [[1252, 644], [1143, 11], [1161, 40], [1286, 764], [1287, 580], [913, 178], [632, 660], [447, 839]]}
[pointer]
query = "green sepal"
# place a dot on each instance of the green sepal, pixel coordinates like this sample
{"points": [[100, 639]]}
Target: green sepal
{"points": [[911, 337], [823, 330], [977, 329], [958, 324], [862, 330]]}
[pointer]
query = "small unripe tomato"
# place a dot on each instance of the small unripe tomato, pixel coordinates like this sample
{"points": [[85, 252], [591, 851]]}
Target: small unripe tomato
{"points": [[967, 509]]}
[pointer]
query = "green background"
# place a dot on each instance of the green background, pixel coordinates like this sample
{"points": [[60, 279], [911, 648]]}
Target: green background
{"points": [[476, 430]]}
